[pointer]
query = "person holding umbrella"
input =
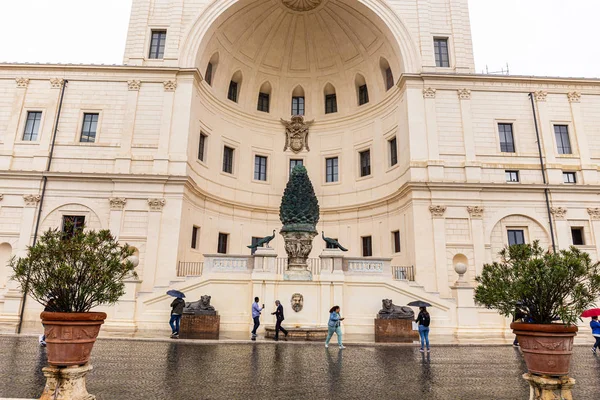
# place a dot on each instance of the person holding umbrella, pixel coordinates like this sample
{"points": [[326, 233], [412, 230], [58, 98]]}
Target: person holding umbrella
{"points": [[177, 306], [595, 325], [423, 319]]}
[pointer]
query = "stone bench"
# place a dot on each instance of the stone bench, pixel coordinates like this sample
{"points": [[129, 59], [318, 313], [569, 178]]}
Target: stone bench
{"points": [[311, 333]]}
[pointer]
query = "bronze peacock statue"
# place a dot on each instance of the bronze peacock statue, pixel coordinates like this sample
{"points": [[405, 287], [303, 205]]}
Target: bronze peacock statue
{"points": [[262, 241], [333, 242]]}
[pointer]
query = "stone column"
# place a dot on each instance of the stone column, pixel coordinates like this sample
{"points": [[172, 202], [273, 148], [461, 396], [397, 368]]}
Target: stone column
{"points": [[561, 226], [547, 137], [10, 135], [123, 159], [151, 275], [472, 167], [66, 383], [588, 169], [47, 128], [435, 166], [478, 237], [116, 215], [595, 217], [439, 247]]}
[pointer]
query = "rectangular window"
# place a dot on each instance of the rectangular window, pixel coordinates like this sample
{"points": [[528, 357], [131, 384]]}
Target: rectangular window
{"points": [[297, 105], [329, 245], [254, 242], [393, 151], [330, 103], [507, 143], [233, 91], [202, 147], [396, 239], [32, 126], [157, 44], [263, 102], [195, 230], [222, 246], [365, 163], [563, 144], [569, 177], [512, 176], [331, 169], [577, 236], [389, 79], [440, 47], [89, 128], [294, 162], [516, 236], [260, 168], [367, 246], [72, 224], [363, 95], [228, 159]]}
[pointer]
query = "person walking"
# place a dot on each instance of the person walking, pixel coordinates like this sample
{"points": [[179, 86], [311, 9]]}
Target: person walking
{"points": [[176, 312], [595, 325], [334, 326], [279, 315], [423, 319], [256, 310]]}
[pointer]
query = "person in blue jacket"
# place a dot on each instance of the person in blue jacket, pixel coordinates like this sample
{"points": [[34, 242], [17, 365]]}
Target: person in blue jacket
{"points": [[595, 325], [334, 326]]}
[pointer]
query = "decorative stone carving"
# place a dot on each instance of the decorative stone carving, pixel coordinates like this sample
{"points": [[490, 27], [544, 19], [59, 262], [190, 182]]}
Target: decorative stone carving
{"points": [[391, 311], [540, 95], [170, 86], [156, 204], [230, 264], [296, 133], [200, 307], [558, 212], [574, 97], [297, 302], [301, 5], [429, 93], [117, 203], [437, 211], [298, 246], [475, 211], [134, 85], [461, 269], [31, 200], [464, 94], [66, 383], [594, 213], [57, 83], [365, 266], [22, 82]]}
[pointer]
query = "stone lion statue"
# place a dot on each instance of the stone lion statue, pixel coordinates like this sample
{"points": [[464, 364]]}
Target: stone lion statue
{"points": [[391, 311], [297, 302], [200, 307]]}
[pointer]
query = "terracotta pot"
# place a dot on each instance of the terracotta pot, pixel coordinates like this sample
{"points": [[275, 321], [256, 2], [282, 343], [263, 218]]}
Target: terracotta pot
{"points": [[71, 336], [547, 348]]}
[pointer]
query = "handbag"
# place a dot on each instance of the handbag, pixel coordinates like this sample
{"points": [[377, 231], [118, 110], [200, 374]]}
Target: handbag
{"points": [[415, 326]]}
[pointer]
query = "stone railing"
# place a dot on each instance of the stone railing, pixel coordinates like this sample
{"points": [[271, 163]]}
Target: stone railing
{"points": [[185, 268], [215, 263], [360, 266], [403, 273]]}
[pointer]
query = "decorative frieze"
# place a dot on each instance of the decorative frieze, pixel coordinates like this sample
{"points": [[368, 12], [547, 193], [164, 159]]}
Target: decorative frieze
{"points": [[230, 264], [117, 203], [429, 93], [170, 86], [558, 212], [437, 211], [464, 94], [540, 95], [22, 82], [475, 211], [134, 85], [57, 83], [594, 213], [365, 266], [31, 200], [156, 204], [574, 97]]}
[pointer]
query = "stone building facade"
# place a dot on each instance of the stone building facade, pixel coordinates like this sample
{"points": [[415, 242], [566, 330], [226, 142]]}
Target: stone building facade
{"points": [[419, 164]]}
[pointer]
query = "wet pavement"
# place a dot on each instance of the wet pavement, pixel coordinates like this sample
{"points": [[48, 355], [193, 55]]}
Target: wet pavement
{"points": [[135, 369]]}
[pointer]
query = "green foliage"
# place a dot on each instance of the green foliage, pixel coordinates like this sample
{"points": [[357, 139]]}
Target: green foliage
{"points": [[299, 210], [74, 273], [554, 286]]}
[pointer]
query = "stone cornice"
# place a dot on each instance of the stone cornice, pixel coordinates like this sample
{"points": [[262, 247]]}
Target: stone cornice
{"points": [[532, 81]]}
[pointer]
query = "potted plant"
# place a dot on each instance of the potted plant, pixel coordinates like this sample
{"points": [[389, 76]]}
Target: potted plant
{"points": [[69, 274], [553, 288]]}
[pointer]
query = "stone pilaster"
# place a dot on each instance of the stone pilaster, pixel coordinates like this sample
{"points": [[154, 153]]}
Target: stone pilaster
{"points": [[478, 237], [439, 247], [117, 204]]}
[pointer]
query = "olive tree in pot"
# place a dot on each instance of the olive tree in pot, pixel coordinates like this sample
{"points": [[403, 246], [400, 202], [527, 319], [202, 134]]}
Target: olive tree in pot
{"points": [[555, 288], [69, 274]]}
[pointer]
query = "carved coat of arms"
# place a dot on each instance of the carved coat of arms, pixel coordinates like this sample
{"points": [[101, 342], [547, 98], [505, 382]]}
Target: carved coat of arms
{"points": [[296, 132]]}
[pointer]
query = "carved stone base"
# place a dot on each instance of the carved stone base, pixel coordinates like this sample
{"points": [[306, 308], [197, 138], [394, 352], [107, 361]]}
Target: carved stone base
{"points": [[66, 383], [542, 387], [298, 246], [297, 275], [199, 326], [394, 331]]}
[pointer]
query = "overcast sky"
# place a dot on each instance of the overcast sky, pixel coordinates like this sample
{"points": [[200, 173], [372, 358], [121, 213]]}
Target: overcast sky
{"points": [[535, 37]]}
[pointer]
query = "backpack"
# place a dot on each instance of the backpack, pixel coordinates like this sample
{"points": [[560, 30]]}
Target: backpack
{"points": [[425, 319]]}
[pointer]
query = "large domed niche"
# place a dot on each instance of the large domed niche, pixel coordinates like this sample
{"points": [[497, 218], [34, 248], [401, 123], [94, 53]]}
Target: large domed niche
{"points": [[315, 44]]}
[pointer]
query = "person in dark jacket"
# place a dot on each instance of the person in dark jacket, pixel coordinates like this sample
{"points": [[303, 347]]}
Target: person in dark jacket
{"points": [[423, 319], [279, 315], [176, 312], [595, 325]]}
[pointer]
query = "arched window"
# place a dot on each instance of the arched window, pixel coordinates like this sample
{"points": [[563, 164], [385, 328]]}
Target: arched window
{"points": [[264, 97], [235, 84], [361, 89], [386, 71], [298, 101], [330, 99], [211, 68]]}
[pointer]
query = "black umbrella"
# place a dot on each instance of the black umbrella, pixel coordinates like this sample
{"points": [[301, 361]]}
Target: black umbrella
{"points": [[419, 303], [176, 293]]}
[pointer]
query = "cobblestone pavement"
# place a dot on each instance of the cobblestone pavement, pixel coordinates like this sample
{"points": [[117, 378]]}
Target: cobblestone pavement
{"points": [[126, 369]]}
